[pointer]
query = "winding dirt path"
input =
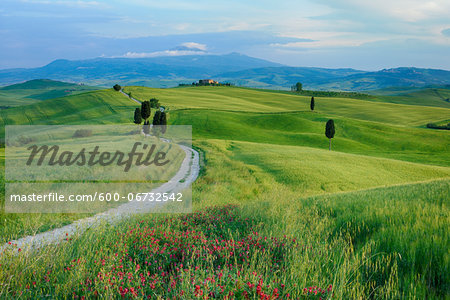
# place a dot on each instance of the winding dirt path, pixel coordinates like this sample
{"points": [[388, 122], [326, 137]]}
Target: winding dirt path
{"points": [[126, 95], [187, 174]]}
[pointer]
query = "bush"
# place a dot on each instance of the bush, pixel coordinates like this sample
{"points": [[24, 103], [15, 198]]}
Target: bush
{"points": [[154, 103], [435, 126], [117, 87], [82, 133], [335, 94], [23, 140]]}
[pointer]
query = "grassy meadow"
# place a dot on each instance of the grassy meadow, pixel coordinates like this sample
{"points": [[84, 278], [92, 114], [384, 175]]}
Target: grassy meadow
{"points": [[277, 215], [438, 96], [34, 91], [249, 100]]}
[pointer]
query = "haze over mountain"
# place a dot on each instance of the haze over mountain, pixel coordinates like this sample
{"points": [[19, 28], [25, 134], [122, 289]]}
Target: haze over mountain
{"points": [[104, 70], [167, 71], [338, 79]]}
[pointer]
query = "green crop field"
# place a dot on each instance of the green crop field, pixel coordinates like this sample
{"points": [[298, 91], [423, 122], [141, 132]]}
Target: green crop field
{"points": [[100, 107], [438, 97], [239, 99], [276, 212], [38, 90]]}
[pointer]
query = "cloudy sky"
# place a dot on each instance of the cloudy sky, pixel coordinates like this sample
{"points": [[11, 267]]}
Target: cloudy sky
{"points": [[362, 34]]}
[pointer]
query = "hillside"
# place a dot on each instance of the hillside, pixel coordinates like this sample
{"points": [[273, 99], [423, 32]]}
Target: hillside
{"points": [[37, 90], [250, 100], [380, 198], [438, 96], [101, 107], [365, 127]]}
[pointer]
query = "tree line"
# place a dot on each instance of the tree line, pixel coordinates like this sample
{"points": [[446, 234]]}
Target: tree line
{"points": [[159, 121]]}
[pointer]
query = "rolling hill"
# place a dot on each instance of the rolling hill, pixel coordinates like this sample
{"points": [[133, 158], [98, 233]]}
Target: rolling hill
{"points": [[250, 100], [429, 96], [376, 206], [365, 127], [37, 90]]}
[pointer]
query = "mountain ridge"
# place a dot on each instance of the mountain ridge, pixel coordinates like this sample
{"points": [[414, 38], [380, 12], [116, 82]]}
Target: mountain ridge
{"points": [[239, 69]]}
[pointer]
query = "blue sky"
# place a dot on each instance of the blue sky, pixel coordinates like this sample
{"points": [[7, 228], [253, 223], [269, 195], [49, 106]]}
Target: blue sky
{"points": [[359, 34]]}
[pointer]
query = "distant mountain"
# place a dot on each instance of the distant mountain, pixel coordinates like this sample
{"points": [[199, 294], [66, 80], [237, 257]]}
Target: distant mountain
{"points": [[337, 79], [166, 71], [286, 76], [398, 77], [124, 70]]}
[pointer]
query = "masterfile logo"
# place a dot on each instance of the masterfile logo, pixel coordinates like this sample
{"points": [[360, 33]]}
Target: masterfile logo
{"points": [[93, 168]]}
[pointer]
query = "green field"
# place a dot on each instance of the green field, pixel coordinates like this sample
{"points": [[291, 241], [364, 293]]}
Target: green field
{"points": [[38, 90], [438, 97], [239, 99], [369, 218]]}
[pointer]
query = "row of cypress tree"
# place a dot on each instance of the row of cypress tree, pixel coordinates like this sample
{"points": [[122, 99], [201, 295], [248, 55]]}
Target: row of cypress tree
{"points": [[159, 118]]}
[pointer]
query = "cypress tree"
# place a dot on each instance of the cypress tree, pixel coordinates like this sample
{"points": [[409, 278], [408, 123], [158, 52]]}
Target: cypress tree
{"points": [[145, 110], [312, 103], [163, 122], [157, 118], [137, 116], [329, 130]]}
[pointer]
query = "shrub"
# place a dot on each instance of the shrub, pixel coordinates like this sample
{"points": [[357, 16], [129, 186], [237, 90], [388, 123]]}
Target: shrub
{"points": [[154, 103], [82, 133], [435, 126]]}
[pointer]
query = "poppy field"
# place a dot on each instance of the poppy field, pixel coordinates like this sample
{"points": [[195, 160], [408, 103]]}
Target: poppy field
{"points": [[197, 255]]}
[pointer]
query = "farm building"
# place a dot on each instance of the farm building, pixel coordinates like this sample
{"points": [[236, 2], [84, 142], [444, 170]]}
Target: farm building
{"points": [[207, 81]]}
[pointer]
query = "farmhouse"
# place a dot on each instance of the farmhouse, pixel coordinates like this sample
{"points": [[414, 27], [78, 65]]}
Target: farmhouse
{"points": [[207, 81]]}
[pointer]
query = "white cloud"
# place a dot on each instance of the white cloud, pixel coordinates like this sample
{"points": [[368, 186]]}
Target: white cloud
{"points": [[327, 43], [160, 53], [192, 45]]}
